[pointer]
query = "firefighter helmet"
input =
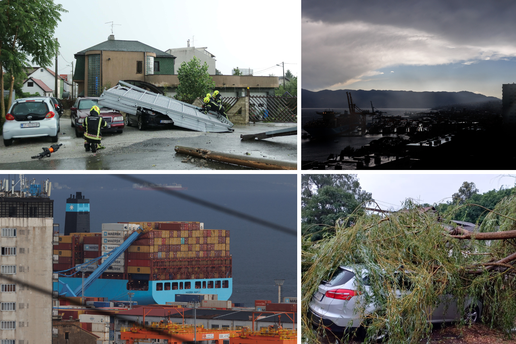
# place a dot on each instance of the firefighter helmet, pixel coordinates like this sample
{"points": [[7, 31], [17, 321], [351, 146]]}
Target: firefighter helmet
{"points": [[95, 110]]}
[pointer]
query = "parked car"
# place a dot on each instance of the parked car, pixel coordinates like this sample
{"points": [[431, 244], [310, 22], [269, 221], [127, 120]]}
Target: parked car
{"points": [[144, 119], [57, 105], [31, 117], [81, 110], [335, 304]]}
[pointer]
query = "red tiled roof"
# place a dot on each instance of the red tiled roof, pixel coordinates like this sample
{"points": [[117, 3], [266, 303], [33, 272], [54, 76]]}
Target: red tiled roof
{"points": [[41, 84], [53, 74]]}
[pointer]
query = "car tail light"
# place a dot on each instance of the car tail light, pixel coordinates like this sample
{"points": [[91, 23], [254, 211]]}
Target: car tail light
{"points": [[341, 294], [9, 117], [50, 114]]}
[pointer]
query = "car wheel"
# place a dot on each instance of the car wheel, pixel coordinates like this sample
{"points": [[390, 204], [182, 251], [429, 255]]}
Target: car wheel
{"points": [[77, 133], [54, 138], [141, 126], [472, 315], [8, 142]]}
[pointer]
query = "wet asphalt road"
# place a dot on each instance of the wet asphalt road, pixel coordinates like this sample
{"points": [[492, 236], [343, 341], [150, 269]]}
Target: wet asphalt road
{"points": [[147, 150]]}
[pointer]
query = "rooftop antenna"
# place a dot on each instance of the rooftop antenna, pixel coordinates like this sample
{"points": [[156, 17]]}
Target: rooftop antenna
{"points": [[113, 24]]}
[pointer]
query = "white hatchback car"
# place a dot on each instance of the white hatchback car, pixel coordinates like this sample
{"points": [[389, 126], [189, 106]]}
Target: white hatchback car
{"points": [[31, 117]]}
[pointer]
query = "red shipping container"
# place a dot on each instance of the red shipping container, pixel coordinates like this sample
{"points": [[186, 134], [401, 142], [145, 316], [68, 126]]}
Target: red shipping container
{"points": [[169, 226], [93, 240], [91, 254], [65, 260], [281, 307], [60, 267], [138, 255], [261, 303], [139, 262]]}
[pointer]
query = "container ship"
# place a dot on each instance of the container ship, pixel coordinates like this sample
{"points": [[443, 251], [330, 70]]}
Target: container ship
{"points": [[165, 259], [148, 186]]}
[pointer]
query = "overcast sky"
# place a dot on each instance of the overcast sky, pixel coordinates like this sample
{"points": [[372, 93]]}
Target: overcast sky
{"points": [[239, 33], [391, 190], [438, 45]]}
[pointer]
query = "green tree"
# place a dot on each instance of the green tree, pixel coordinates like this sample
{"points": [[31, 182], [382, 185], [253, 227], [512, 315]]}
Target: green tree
{"points": [[236, 71], [466, 191], [26, 29], [194, 81], [290, 85], [326, 198]]}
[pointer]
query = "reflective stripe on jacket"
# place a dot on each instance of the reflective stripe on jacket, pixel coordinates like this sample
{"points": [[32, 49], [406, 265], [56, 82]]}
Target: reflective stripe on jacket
{"points": [[92, 125]]}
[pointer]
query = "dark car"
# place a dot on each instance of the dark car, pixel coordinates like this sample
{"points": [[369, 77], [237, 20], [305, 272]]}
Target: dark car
{"points": [[81, 110], [146, 118], [57, 105]]}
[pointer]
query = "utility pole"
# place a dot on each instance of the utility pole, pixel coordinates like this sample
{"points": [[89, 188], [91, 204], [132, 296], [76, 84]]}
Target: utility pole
{"points": [[283, 65], [56, 92], [72, 81]]}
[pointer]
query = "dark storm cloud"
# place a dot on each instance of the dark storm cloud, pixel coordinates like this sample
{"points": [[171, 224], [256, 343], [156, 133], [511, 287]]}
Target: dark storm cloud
{"points": [[462, 21], [344, 42]]}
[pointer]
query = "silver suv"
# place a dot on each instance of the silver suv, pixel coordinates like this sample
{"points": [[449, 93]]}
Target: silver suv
{"points": [[335, 305], [31, 117]]}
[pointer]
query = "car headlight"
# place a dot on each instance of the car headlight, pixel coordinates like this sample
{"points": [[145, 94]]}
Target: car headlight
{"points": [[80, 120], [118, 119]]}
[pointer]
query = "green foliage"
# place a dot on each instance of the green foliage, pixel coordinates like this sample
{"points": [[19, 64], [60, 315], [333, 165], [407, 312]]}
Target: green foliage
{"points": [[236, 71], [327, 198], [290, 86], [482, 202], [466, 191], [412, 245], [194, 81], [27, 29]]}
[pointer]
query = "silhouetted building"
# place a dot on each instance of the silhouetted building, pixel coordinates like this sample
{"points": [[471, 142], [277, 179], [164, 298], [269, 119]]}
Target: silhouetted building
{"points": [[77, 218], [509, 104]]}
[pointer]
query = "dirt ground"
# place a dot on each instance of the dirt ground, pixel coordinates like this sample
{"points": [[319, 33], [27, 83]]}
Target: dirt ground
{"points": [[476, 334]]}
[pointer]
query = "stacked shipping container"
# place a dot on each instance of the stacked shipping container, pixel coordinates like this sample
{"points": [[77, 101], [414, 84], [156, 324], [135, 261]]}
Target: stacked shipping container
{"points": [[164, 251]]}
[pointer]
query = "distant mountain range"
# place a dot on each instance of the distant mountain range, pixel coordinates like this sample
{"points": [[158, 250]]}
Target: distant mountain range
{"points": [[390, 99]]}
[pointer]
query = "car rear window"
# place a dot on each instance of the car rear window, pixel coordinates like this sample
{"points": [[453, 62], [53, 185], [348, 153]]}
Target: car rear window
{"points": [[340, 276], [36, 109]]}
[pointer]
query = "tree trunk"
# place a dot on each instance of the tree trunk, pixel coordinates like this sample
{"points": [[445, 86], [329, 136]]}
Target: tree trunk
{"points": [[483, 236]]}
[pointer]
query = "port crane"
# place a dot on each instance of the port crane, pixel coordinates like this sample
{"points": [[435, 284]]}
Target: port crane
{"points": [[113, 255]]}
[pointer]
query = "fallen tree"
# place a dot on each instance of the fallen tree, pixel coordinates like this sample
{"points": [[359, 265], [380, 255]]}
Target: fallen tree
{"points": [[437, 256]]}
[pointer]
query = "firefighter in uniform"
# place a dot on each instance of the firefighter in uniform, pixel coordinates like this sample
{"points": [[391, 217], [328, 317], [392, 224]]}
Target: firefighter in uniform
{"points": [[92, 125], [218, 101], [209, 104]]}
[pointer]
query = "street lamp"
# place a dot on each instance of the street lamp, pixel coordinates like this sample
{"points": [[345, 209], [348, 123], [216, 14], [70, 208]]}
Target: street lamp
{"points": [[279, 283]]}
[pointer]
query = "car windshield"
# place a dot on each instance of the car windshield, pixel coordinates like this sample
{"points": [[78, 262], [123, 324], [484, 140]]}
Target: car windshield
{"points": [[30, 108], [87, 104]]}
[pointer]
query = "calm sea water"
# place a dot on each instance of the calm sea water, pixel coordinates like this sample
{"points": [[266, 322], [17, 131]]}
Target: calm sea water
{"points": [[319, 150]]}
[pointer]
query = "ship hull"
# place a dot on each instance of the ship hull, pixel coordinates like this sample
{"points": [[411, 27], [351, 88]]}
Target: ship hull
{"points": [[116, 289]]}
